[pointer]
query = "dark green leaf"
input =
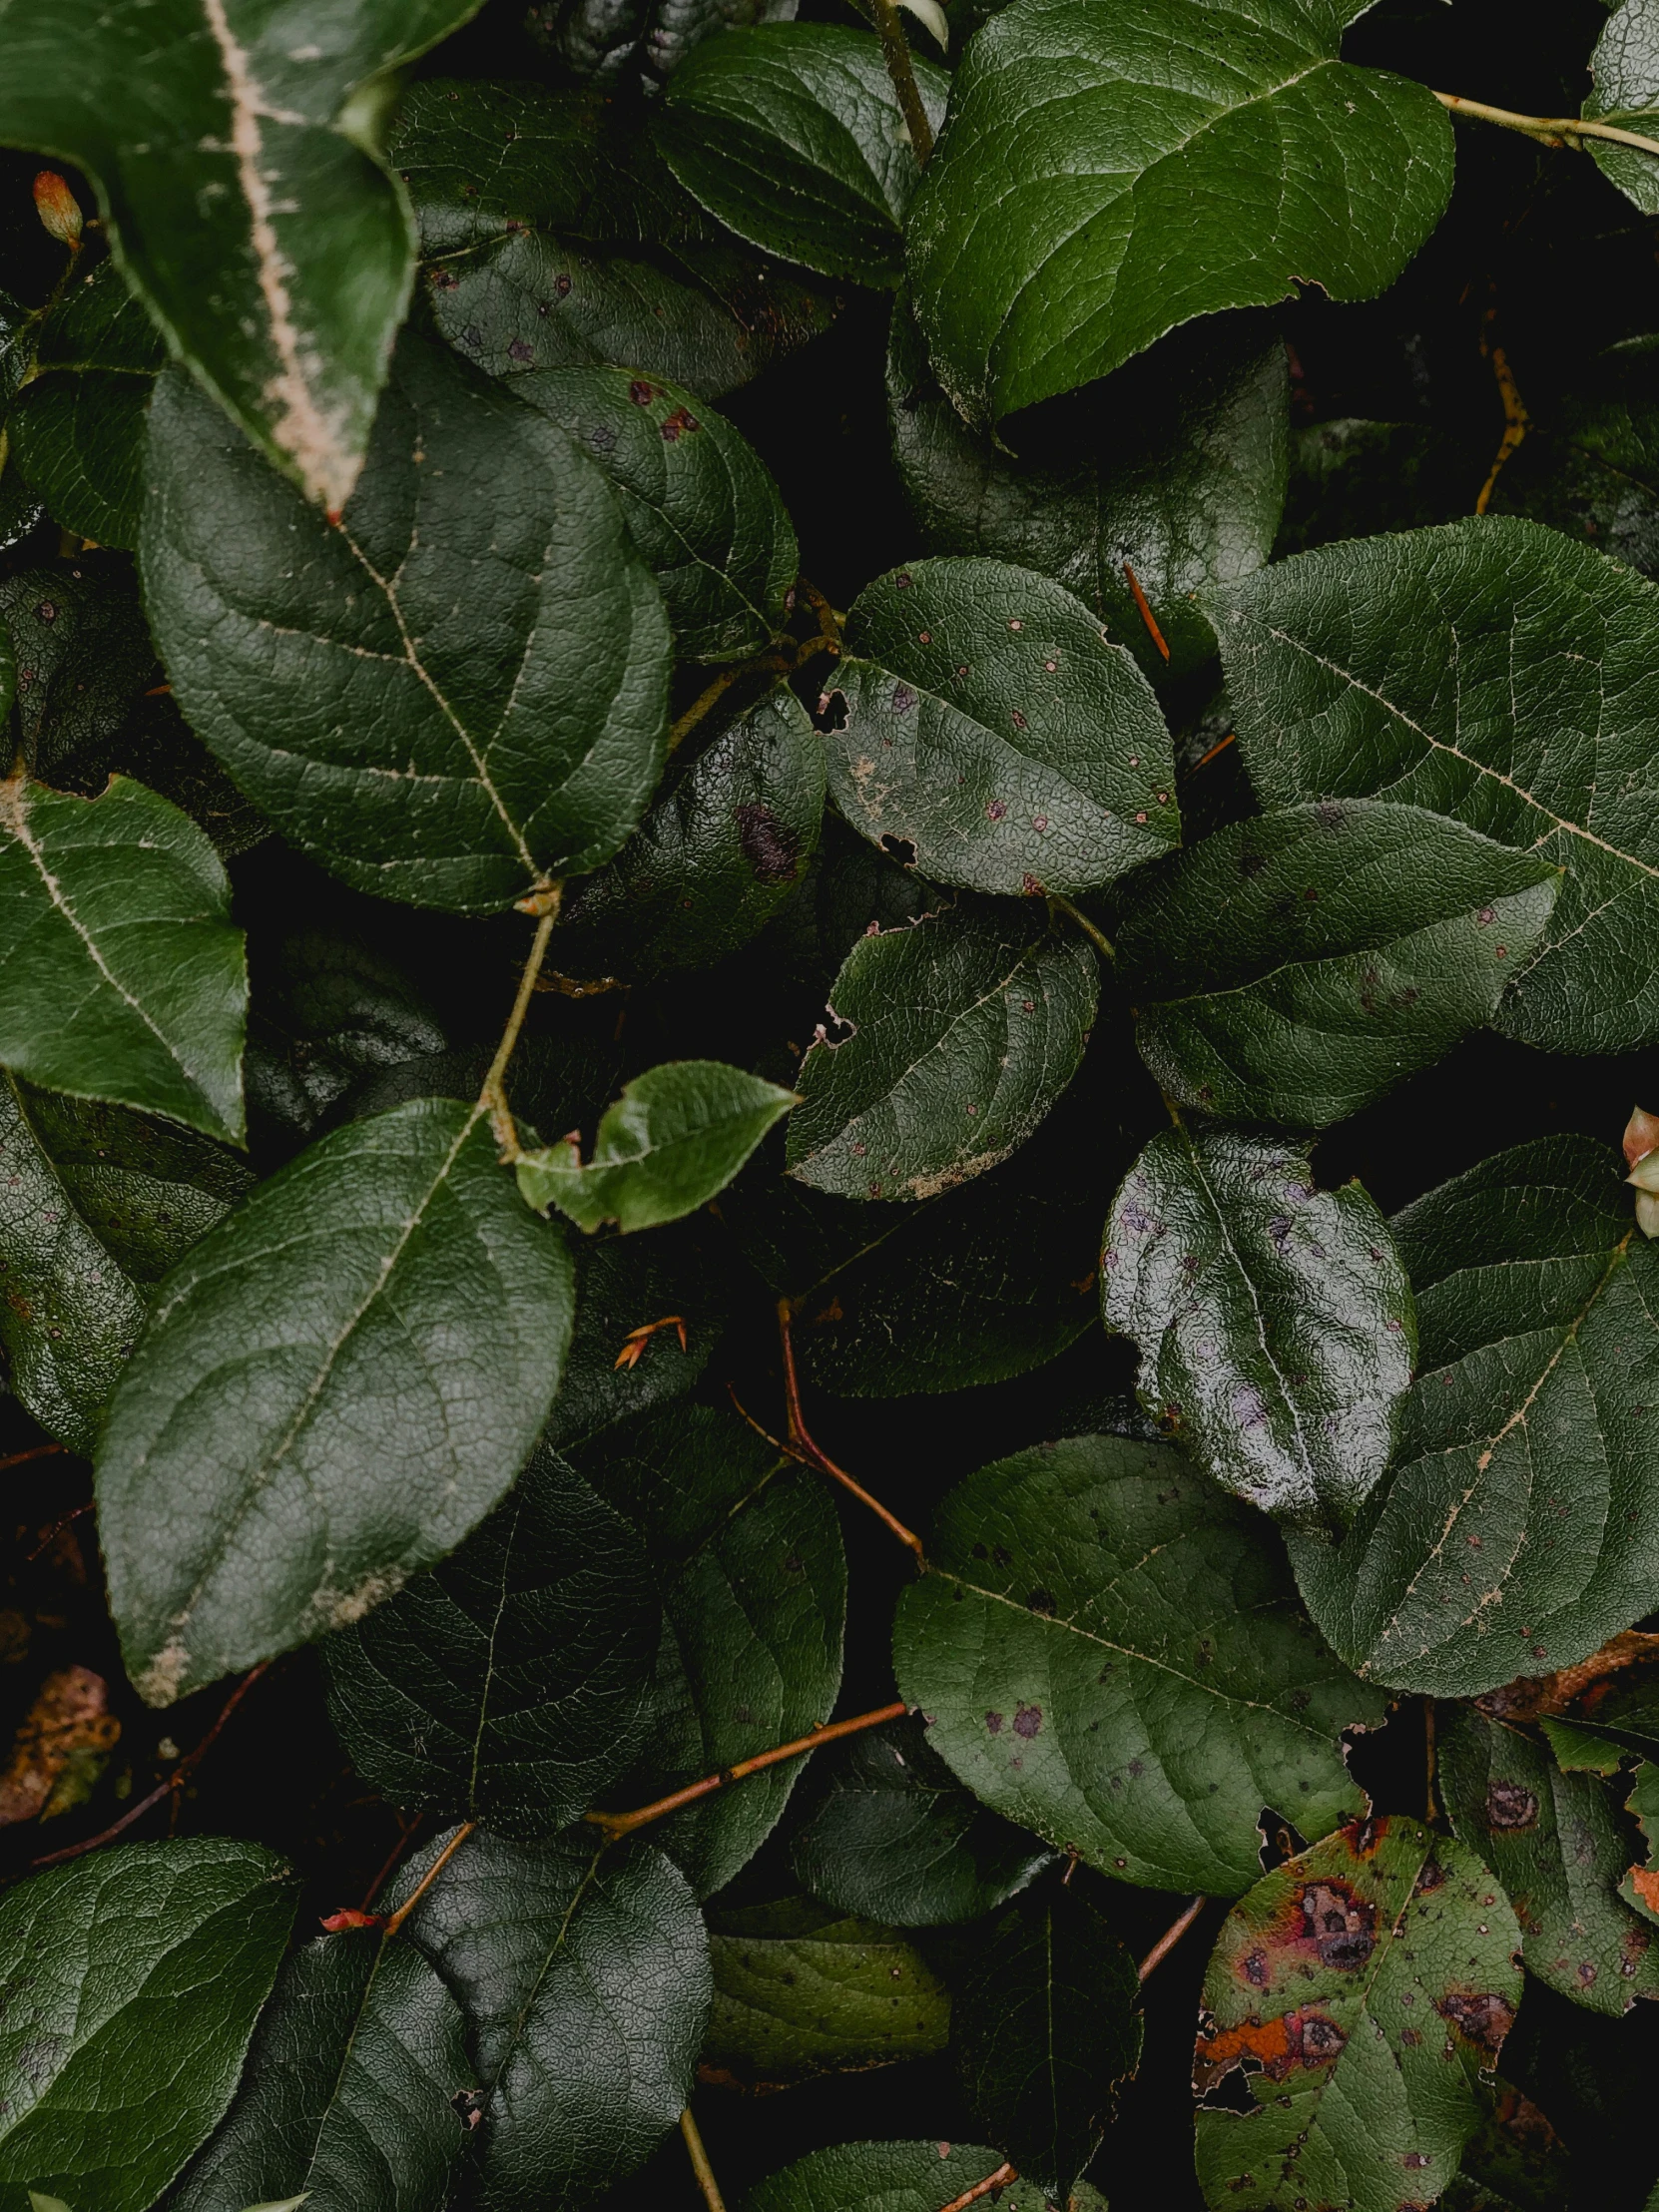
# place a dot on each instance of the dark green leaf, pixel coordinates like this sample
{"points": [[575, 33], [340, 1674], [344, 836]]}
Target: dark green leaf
{"points": [[896, 1837], [83, 655], [1363, 1988], [1624, 70], [1352, 476], [1515, 2162], [1274, 1319], [990, 728], [1640, 1886], [1111, 171], [595, 38], [347, 2098], [454, 694], [1110, 1651], [337, 1384], [133, 1981], [961, 1034], [1294, 967], [887, 2177], [792, 135], [1497, 673], [674, 1280], [1046, 2030], [1590, 462]]}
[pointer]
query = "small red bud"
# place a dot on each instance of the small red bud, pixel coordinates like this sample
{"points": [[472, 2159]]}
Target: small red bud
{"points": [[349, 1917], [58, 208]]}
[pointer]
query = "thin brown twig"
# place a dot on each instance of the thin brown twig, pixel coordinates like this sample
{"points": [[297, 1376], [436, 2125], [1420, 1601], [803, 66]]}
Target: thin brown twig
{"points": [[395, 1919], [1559, 130], [895, 50], [1516, 420], [801, 1437], [624, 1824], [775, 1442], [406, 1828], [57, 1528], [1170, 1938], [700, 2163], [35, 1451], [1429, 1756], [999, 2180], [1144, 606], [493, 1097]]}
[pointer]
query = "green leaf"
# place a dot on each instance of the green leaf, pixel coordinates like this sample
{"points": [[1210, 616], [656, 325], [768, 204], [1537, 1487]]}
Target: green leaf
{"points": [[1274, 1319], [792, 135], [678, 1277], [1515, 2161], [700, 502], [1640, 1887], [962, 1032], [1110, 1651], [334, 1385], [96, 1205], [989, 727], [123, 979], [748, 1560], [1497, 673], [286, 302], [800, 1990], [1180, 474], [1046, 2031], [1590, 463], [509, 1683], [1363, 1988], [1111, 171], [591, 38], [1624, 72], [1352, 476], [1295, 967], [896, 1837], [84, 653], [583, 1979], [724, 843], [676, 1136], [1559, 1847], [1513, 1534], [349, 2093], [133, 1981], [887, 2177], [453, 695]]}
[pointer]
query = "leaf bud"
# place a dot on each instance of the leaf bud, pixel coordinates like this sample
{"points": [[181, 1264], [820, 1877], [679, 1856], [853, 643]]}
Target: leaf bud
{"points": [[58, 208], [1641, 1152]]}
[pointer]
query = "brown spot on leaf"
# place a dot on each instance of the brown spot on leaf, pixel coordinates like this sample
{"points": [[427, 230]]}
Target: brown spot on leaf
{"points": [[1510, 1806], [770, 847], [1028, 1721], [1480, 2017]]}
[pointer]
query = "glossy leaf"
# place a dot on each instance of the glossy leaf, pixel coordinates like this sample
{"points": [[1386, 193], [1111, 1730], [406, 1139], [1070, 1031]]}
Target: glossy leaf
{"points": [[1355, 475], [676, 1278], [988, 728], [338, 1382], [792, 135], [887, 2177], [1363, 1988], [1274, 1319], [123, 978], [1511, 1536], [1590, 463], [1294, 967], [962, 1032], [676, 1136], [84, 656], [1110, 171], [1490, 671], [1624, 72], [133, 1981], [593, 39], [453, 695], [1109, 1650]]}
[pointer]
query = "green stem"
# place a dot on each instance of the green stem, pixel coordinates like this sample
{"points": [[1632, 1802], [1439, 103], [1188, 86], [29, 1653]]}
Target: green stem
{"points": [[493, 1096], [896, 49], [1097, 937], [1553, 130]]}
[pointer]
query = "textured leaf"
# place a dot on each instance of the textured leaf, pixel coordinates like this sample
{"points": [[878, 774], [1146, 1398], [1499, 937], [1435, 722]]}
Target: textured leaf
{"points": [[595, 38], [792, 135], [122, 977], [887, 2177], [700, 502], [962, 1032], [133, 1981], [800, 1990], [1274, 1319], [83, 655], [1624, 71], [583, 1979], [1512, 1534], [749, 1559], [896, 1837], [676, 1136], [1046, 2030], [1109, 1651], [338, 1382], [347, 2098], [1294, 967], [1590, 463], [1497, 673], [1515, 2162], [1177, 470], [677, 1276], [989, 727], [286, 302], [1557, 1844], [454, 694], [1640, 1887], [509, 1683], [1111, 171], [722, 846], [1363, 1988]]}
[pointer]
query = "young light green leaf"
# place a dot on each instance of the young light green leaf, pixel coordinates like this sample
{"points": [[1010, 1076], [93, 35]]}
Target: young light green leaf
{"points": [[888, 2178], [1294, 967], [454, 694], [334, 1385], [1624, 73], [1109, 1650], [961, 1033], [1340, 1987], [122, 977], [1111, 171], [792, 135], [133, 1978], [1498, 673], [989, 727], [1274, 1319], [676, 1136]]}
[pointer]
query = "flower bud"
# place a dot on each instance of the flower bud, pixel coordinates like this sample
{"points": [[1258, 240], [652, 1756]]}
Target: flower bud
{"points": [[58, 208], [1641, 1152]]}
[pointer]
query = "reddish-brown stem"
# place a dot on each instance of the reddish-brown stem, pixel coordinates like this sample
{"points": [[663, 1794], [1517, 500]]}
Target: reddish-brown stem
{"points": [[395, 1919], [999, 2180], [35, 1451], [57, 1528], [406, 1829], [624, 1824], [1147, 616], [1170, 1938], [803, 1447]]}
